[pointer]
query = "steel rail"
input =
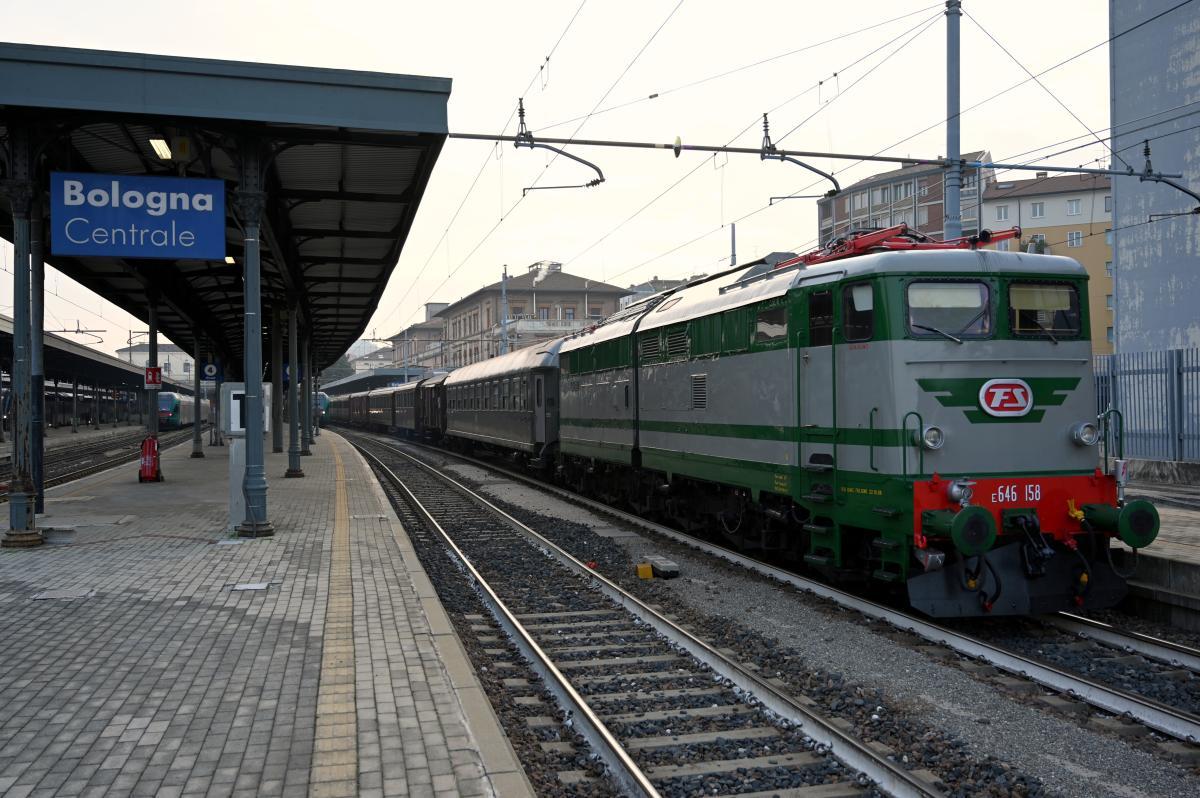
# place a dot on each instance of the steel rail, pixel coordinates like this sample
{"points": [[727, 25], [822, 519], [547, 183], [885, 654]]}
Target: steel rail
{"points": [[888, 775], [1154, 648], [1168, 720], [622, 768]]}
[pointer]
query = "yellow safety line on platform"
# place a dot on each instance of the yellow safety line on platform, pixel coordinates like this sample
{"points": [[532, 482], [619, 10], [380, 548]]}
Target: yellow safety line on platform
{"points": [[334, 769]]}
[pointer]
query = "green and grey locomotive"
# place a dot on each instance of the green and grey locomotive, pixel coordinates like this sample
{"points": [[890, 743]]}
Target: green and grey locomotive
{"points": [[920, 415]]}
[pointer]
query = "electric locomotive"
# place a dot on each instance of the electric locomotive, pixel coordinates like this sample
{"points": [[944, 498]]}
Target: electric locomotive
{"points": [[920, 415], [176, 410]]}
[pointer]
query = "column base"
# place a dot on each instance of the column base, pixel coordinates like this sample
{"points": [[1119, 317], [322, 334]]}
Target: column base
{"points": [[293, 473], [305, 453], [196, 455], [255, 530], [276, 450], [21, 540]]}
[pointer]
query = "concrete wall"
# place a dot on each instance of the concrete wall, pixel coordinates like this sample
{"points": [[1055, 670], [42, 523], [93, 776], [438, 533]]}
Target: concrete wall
{"points": [[1157, 266]]}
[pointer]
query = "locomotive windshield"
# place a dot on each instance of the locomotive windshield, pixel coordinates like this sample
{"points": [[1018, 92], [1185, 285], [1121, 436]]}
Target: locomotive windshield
{"points": [[1044, 309], [949, 309]]}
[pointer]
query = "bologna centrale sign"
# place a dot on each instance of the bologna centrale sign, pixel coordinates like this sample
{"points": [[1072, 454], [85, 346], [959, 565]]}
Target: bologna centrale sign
{"points": [[126, 216]]}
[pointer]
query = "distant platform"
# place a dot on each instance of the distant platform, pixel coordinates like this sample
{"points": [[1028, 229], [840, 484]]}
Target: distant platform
{"points": [[154, 655], [1167, 583]]}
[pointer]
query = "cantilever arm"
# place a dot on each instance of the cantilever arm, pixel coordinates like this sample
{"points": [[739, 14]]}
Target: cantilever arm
{"points": [[527, 141]]}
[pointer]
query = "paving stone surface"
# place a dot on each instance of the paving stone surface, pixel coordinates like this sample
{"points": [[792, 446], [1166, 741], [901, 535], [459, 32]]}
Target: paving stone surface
{"points": [[169, 682]]}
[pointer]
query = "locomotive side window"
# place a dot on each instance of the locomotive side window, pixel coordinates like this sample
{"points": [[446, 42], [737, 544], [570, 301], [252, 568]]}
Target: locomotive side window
{"points": [[771, 326], [951, 310], [820, 318], [1043, 310], [858, 312]]}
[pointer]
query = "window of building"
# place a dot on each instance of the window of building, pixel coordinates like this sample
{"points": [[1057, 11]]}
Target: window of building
{"points": [[902, 191], [595, 311], [1110, 335], [1002, 246], [1108, 237], [883, 195], [860, 201], [187, 367], [167, 367], [1001, 213], [569, 313], [1108, 203], [1037, 210], [1073, 207], [1039, 237], [923, 215], [1108, 267], [543, 312], [922, 188], [517, 311], [1075, 238], [1108, 301]]}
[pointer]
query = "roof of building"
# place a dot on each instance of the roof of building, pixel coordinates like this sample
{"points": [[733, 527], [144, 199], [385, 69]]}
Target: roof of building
{"points": [[654, 285], [163, 348], [436, 324], [920, 168], [1059, 184], [379, 355], [550, 281]]}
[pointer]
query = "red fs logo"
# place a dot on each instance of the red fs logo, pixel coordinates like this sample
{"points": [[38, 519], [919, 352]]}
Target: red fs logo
{"points": [[1006, 398]]}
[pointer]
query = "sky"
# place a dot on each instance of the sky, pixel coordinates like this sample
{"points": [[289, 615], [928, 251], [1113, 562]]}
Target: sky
{"points": [[589, 70]]}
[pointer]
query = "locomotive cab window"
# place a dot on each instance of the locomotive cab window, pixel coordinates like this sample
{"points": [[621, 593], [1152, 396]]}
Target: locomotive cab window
{"points": [[951, 310], [770, 326], [820, 318], [858, 312], [1043, 310]]}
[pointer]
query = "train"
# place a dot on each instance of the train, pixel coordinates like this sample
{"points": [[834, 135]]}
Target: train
{"points": [[888, 411], [176, 410]]}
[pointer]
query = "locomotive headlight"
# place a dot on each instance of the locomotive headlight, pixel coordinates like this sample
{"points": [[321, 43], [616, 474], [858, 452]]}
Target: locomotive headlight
{"points": [[932, 438], [1085, 433]]}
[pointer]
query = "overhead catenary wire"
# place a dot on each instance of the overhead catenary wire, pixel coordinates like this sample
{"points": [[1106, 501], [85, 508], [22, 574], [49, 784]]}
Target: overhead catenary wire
{"points": [[1043, 86]]}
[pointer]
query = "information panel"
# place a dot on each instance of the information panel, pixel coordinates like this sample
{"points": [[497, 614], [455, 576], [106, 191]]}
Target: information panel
{"points": [[125, 216]]}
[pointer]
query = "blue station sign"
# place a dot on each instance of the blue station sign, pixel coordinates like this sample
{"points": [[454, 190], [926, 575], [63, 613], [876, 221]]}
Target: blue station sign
{"points": [[124, 216]]}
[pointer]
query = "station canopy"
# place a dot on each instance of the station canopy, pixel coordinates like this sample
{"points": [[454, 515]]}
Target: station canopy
{"points": [[346, 157]]}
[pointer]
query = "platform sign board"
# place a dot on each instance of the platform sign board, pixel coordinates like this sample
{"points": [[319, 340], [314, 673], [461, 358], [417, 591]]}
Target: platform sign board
{"points": [[127, 216], [210, 371], [153, 378], [233, 408]]}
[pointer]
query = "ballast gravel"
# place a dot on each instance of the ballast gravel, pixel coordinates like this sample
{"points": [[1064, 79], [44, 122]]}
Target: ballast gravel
{"points": [[1026, 742]]}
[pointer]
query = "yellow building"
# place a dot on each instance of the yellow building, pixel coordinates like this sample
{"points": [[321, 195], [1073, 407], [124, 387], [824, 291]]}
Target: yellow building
{"points": [[1067, 215]]}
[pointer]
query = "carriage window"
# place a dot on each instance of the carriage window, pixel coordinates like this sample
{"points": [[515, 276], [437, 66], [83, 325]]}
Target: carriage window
{"points": [[1043, 310], [771, 326], [858, 312], [949, 309], [820, 318]]}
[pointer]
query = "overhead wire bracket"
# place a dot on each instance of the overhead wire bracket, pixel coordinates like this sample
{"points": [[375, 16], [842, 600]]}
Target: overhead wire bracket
{"points": [[525, 139], [1148, 174], [770, 153]]}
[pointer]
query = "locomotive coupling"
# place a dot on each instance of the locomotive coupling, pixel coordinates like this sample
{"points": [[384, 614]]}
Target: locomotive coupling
{"points": [[1136, 524], [973, 529]]}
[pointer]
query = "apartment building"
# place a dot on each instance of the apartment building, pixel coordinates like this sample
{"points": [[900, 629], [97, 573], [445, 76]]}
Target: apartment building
{"points": [[911, 195], [1063, 215], [421, 345]]}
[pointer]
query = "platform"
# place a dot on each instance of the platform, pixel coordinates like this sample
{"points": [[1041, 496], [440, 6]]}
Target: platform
{"points": [[1166, 586], [59, 437], [155, 656]]}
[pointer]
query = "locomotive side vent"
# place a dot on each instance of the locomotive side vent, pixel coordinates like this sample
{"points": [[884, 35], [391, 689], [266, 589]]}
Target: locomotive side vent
{"points": [[699, 391], [649, 346], [677, 343]]}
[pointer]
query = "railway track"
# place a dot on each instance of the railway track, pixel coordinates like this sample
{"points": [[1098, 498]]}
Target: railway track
{"points": [[1113, 705], [66, 464], [666, 712]]}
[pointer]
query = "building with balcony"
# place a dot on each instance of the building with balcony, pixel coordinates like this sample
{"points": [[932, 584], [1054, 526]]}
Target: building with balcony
{"points": [[911, 194], [422, 345], [1064, 215]]}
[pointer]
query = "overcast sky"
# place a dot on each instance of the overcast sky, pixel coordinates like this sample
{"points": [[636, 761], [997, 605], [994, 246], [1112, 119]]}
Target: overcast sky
{"points": [[840, 95]]}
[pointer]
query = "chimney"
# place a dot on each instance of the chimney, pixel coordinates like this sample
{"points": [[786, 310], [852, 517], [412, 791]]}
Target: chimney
{"points": [[1042, 175]]}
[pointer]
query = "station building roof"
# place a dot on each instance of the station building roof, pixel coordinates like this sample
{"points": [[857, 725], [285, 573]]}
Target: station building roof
{"points": [[66, 360], [347, 157]]}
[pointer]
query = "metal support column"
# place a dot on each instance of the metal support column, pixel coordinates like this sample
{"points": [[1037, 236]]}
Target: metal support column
{"points": [[75, 404], [952, 227], [22, 518], [294, 469], [37, 295], [3, 418], [198, 400], [305, 392], [152, 394], [96, 407], [249, 202], [276, 380], [316, 404]]}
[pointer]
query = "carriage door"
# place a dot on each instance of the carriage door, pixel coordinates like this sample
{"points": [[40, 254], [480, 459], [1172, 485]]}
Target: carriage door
{"points": [[539, 408], [816, 389]]}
